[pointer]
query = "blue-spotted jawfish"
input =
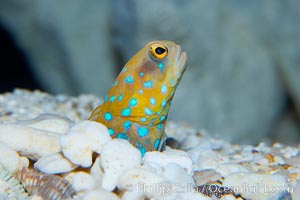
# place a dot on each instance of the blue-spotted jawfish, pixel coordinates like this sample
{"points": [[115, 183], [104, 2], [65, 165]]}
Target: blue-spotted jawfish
{"points": [[137, 105]]}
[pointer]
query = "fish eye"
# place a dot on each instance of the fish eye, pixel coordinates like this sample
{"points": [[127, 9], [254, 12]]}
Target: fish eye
{"points": [[159, 51]]}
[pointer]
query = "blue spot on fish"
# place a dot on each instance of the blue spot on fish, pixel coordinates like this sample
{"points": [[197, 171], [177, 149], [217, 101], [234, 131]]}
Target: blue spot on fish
{"points": [[133, 102], [162, 118], [161, 66], [158, 113], [122, 136], [112, 98], [142, 131], [129, 79], [111, 131], [143, 119], [163, 103], [147, 84], [108, 116], [124, 69], [148, 111], [127, 125], [163, 89], [141, 92], [152, 101], [125, 112], [159, 126], [120, 97], [141, 74], [153, 119]]}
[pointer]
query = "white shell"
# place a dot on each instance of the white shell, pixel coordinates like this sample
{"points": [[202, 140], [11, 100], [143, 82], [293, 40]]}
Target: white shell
{"points": [[47, 186], [82, 140]]}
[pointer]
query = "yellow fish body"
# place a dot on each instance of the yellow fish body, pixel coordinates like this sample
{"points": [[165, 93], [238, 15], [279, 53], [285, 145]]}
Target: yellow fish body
{"points": [[137, 105]]}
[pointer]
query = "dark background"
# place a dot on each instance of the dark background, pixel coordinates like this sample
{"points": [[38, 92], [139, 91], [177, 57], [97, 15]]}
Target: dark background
{"points": [[15, 69]]}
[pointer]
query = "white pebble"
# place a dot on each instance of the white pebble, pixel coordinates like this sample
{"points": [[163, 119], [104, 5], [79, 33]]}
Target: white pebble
{"points": [[145, 183], [178, 176], [153, 167], [201, 144], [48, 122], [175, 130], [206, 176], [10, 159], [82, 140], [82, 181], [256, 186], [208, 159], [96, 171], [279, 160], [191, 141], [54, 164], [30, 142], [260, 160], [99, 194], [226, 169], [170, 156], [289, 152], [117, 156]]}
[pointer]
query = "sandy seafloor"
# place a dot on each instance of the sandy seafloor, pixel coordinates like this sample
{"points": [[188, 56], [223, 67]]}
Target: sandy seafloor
{"points": [[251, 172]]}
